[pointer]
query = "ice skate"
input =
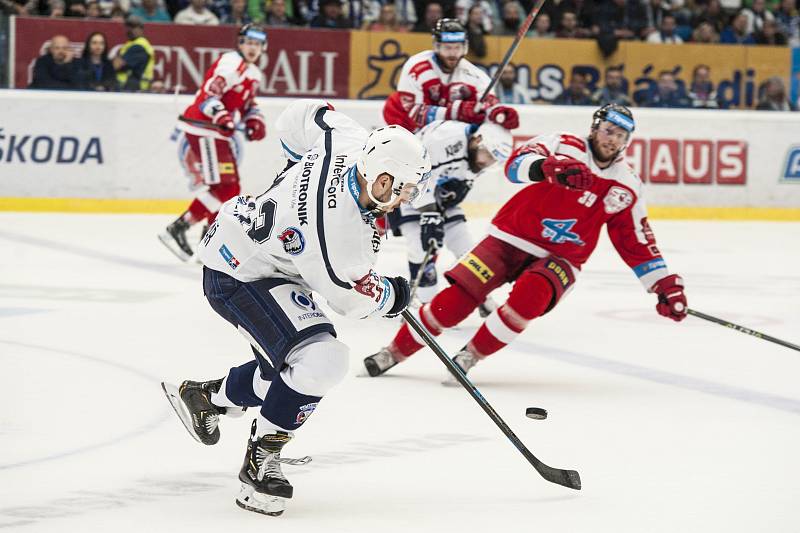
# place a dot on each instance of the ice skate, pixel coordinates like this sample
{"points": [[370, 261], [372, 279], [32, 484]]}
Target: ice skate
{"points": [[192, 404], [465, 361], [378, 363], [264, 487], [174, 238]]}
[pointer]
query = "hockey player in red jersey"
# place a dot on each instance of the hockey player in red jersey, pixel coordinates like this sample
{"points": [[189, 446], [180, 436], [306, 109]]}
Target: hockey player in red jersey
{"points": [[226, 96], [440, 84], [541, 237]]}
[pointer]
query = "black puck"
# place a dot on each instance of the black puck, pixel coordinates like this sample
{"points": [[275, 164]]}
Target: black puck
{"points": [[536, 413]]}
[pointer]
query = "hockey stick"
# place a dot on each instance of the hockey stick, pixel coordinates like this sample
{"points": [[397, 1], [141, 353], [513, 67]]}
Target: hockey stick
{"points": [[421, 271], [206, 124], [517, 41], [743, 329], [567, 478]]}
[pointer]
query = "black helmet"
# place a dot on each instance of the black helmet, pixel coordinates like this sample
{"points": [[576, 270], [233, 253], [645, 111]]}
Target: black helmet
{"points": [[449, 31], [617, 114], [253, 31]]}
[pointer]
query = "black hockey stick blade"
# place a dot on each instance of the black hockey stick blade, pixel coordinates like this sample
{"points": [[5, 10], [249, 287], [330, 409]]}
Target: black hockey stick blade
{"points": [[566, 478]]}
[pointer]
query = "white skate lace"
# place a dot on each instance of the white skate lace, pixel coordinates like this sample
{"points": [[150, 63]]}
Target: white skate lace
{"points": [[270, 465]]}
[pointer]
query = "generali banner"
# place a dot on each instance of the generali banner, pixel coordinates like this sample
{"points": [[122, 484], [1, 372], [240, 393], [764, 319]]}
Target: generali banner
{"points": [[298, 63]]}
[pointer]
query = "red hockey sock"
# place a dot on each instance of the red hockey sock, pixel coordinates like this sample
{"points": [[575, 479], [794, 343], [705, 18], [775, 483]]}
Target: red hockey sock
{"points": [[196, 212], [529, 299], [447, 309]]}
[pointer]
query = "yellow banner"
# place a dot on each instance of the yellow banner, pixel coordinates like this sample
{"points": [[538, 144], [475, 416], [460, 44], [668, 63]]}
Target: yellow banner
{"points": [[545, 65]]}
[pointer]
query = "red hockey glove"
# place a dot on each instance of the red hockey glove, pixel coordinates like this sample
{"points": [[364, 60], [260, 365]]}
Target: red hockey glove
{"points": [[255, 129], [567, 172], [504, 116], [671, 300], [466, 111], [224, 122]]}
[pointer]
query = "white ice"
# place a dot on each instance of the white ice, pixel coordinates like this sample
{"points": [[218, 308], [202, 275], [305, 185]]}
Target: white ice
{"points": [[674, 427]]}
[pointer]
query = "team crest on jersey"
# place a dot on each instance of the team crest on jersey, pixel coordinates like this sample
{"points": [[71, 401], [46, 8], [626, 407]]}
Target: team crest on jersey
{"points": [[617, 199], [293, 241], [305, 411]]}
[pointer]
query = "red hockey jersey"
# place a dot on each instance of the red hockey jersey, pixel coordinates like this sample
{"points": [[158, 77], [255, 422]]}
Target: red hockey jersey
{"points": [[424, 92], [545, 218], [230, 82]]}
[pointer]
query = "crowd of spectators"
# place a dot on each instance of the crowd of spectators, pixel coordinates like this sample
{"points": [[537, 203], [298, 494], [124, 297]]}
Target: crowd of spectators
{"points": [[746, 22]]}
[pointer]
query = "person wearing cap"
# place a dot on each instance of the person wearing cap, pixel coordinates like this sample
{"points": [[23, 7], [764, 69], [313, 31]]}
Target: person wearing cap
{"points": [[208, 146], [330, 16], [539, 240], [441, 84], [135, 61]]}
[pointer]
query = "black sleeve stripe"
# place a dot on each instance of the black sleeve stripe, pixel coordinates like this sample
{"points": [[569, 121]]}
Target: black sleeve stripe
{"points": [[449, 162], [326, 162]]}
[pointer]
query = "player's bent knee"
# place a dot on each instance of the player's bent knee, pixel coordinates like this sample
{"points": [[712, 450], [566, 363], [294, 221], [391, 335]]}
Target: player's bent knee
{"points": [[541, 286], [317, 366]]}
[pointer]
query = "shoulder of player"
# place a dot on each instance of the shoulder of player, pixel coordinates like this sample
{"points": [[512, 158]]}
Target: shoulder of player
{"points": [[621, 172], [419, 63], [468, 69]]}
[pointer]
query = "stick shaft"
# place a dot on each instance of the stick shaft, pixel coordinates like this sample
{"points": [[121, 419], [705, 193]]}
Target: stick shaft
{"points": [[742, 329], [421, 271], [569, 479], [517, 40]]}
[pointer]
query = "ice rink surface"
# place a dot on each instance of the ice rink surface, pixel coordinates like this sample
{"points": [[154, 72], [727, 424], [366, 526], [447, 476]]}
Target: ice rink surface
{"points": [[674, 427]]}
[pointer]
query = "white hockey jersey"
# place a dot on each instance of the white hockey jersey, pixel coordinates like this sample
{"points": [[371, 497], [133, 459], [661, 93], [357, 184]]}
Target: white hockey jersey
{"points": [[308, 226], [447, 142]]}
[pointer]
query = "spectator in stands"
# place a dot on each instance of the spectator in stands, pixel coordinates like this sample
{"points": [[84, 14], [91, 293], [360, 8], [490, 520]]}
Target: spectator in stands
{"points": [[666, 93], [569, 27], [92, 10], [583, 9], [788, 20], [756, 15], [57, 8], [510, 19], [54, 69], [94, 71], [75, 8], [405, 14], [135, 61], [541, 28], [701, 91], [704, 33], [117, 14], [508, 91], [198, 14], [666, 33], [576, 93], [237, 14], [150, 11], [330, 16], [387, 21], [614, 90], [770, 34], [18, 7], [713, 14], [622, 19], [774, 96], [476, 31], [433, 12], [737, 32], [277, 15], [654, 11]]}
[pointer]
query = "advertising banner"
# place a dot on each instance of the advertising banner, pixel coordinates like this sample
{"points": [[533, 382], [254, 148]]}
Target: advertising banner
{"points": [[298, 63], [124, 146]]}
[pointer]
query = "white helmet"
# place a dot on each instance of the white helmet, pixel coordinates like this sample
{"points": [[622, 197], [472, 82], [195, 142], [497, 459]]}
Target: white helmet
{"points": [[496, 140], [395, 151]]}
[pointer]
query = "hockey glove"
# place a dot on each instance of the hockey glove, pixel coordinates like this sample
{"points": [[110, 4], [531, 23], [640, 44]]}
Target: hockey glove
{"points": [[567, 172], [255, 129], [504, 116], [671, 299], [466, 111], [224, 122], [402, 296], [451, 193], [431, 230]]}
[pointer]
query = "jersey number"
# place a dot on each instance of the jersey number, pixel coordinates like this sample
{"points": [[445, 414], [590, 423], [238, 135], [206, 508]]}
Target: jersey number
{"points": [[559, 231], [261, 229], [588, 198]]}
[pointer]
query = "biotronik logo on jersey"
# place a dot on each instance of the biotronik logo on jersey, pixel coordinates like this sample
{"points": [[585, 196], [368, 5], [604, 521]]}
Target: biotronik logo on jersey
{"points": [[293, 241]]}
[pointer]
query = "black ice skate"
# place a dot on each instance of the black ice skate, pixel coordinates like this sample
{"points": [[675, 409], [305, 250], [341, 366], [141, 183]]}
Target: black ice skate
{"points": [[264, 487], [192, 404], [378, 363], [174, 238]]}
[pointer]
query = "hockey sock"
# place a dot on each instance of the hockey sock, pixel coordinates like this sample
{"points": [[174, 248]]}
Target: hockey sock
{"points": [[447, 309], [529, 299], [284, 408], [196, 212], [239, 387]]}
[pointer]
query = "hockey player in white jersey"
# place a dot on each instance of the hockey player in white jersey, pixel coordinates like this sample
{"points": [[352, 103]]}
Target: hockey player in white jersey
{"points": [[266, 259]]}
